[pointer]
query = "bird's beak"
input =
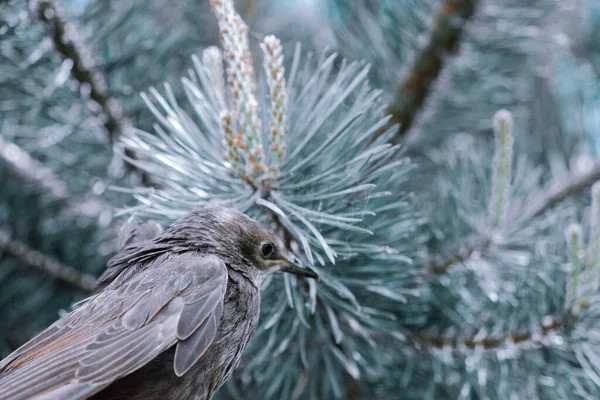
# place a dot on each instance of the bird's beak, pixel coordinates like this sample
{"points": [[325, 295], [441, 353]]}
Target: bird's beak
{"points": [[292, 265]]}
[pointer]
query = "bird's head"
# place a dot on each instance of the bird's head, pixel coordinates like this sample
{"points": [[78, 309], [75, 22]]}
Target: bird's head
{"points": [[244, 244]]}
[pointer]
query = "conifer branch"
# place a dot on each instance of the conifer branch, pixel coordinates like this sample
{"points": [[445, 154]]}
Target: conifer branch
{"points": [[441, 265], [593, 249], [560, 189], [490, 343], [92, 83], [573, 236], [45, 264], [65, 37], [32, 171], [563, 188], [443, 40]]}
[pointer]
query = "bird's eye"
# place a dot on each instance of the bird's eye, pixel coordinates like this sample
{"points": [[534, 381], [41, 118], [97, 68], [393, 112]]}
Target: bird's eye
{"points": [[267, 249]]}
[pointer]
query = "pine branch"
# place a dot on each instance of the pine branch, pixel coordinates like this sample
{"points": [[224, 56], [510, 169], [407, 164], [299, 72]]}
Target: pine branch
{"points": [[562, 188], [65, 37], [327, 215], [490, 343], [32, 171], [45, 264], [443, 40], [441, 265], [559, 190], [92, 83]]}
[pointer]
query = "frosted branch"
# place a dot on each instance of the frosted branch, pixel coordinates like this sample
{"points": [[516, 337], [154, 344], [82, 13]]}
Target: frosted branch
{"points": [[440, 265], [443, 40], [35, 174], [559, 190], [532, 336], [575, 247], [92, 84], [32, 171], [593, 250], [45, 264]]}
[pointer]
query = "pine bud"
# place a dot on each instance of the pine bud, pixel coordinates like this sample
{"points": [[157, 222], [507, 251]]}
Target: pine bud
{"points": [[501, 178]]}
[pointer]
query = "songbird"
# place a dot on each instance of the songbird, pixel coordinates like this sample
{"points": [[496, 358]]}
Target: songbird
{"points": [[170, 320]]}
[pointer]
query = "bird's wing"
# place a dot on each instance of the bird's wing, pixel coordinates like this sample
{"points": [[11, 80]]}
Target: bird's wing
{"points": [[178, 299], [133, 231]]}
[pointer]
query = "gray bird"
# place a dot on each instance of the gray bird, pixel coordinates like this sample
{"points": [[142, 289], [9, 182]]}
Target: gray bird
{"points": [[170, 320]]}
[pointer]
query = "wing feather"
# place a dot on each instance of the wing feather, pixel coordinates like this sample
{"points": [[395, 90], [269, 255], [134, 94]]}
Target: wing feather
{"points": [[118, 361], [177, 299], [190, 350], [195, 314], [133, 231]]}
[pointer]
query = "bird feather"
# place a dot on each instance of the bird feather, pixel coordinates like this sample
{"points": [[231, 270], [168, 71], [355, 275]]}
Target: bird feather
{"points": [[110, 336]]}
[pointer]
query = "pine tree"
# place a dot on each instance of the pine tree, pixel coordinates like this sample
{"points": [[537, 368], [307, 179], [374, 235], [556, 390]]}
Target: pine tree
{"points": [[434, 160]]}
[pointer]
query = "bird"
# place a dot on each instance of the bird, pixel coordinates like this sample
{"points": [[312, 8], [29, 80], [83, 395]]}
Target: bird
{"points": [[170, 317]]}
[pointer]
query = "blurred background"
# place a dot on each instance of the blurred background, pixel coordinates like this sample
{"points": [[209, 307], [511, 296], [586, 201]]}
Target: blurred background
{"points": [[71, 73]]}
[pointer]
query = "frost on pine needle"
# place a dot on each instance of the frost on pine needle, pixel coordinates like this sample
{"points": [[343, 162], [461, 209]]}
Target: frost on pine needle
{"points": [[502, 165], [574, 246], [593, 250], [582, 282], [334, 194], [213, 60]]}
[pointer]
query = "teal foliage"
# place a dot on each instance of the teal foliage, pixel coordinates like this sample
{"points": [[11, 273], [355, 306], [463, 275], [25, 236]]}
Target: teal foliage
{"points": [[419, 296]]}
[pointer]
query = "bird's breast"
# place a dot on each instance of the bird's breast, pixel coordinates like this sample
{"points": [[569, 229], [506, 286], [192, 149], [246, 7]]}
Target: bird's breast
{"points": [[237, 327]]}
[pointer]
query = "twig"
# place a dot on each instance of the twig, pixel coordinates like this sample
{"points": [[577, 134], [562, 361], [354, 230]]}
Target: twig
{"points": [[65, 39], [46, 264], [560, 189], [489, 343], [443, 40], [438, 267], [32, 171]]}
